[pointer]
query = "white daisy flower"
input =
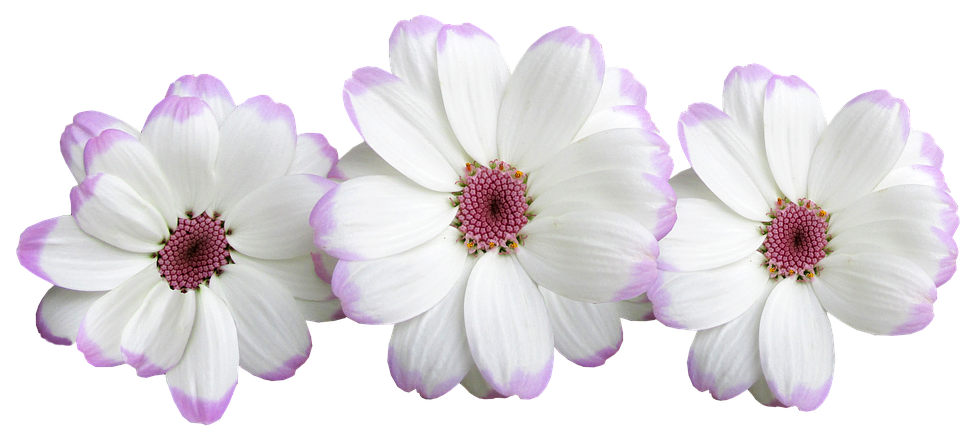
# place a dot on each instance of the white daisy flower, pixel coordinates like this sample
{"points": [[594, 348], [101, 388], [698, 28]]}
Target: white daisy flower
{"points": [[784, 218], [197, 227], [509, 207]]}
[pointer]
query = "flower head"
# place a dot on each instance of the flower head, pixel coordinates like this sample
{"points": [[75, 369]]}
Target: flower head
{"points": [[493, 216], [785, 217], [187, 252]]}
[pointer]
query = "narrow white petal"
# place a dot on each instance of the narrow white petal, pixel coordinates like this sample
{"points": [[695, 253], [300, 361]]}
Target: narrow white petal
{"points": [[376, 216], [796, 346], [361, 160], [586, 333], [743, 97], [154, 338], [107, 208], [590, 255], [59, 252], [617, 117], [879, 293], [203, 382], [397, 287], [272, 221], [549, 97], [920, 149], [297, 275], [473, 76], [508, 327], [257, 143], [707, 235], [313, 155], [208, 88], [914, 175], [621, 104], [60, 312], [687, 184], [903, 202], [413, 56], [87, 125], [429, 353], [272, 332], [793, 123], [477, 386], [708, 298], [637, 309], [858, 148]]}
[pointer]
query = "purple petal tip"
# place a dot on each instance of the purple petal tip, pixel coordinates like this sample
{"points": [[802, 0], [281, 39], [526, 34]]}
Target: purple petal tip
{"points": [[45, 332], [31, 247], [572, 37], [601, 356], [748, 73], [414, 27], [201, 411]]}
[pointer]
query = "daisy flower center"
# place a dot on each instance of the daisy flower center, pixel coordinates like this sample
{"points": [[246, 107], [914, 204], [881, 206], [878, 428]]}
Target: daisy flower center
{"points": [[796, 239], [492, 207], [195, 252]]}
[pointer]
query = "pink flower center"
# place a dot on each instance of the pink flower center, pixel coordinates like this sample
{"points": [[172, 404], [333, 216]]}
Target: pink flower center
{"points": [[195, 252], [492, 207], [796, 239]]}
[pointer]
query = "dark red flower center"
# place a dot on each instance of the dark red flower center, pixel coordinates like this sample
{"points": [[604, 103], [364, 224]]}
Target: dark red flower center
{"points": [[492, 207], [194, 253], [796, 239]]}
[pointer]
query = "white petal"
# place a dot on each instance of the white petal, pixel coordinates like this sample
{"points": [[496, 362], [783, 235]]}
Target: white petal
{"points": [[297, 275], [361, 160], [914, 175], [590, 256], [687, 184], [920, 149], [257, 144], [203, 382], [508, 327], [154, 338], [879, 293], [903, 202], [728, 161], [117, 153], [273, 337], [86, 125], [761, 392], [707, 235], [207, 88], [182, 134], [413, 56], [477, 386], [313, 155], [743, 97], [473, 76], [637, 309], [858, 148], [708, 298], [404, 128], [585, 333], [60, 312], [796, 346], [793, 123], [429, 353], [377, 216], [325, 311], [549, 97], [617, 117], [59, 252], [102, 326], [620, 88], [726, 359], [397, 287], [105, 207], [272, 222]]}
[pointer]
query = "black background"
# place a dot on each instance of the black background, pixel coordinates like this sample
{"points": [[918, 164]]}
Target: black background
{"points": [[122, 67]]}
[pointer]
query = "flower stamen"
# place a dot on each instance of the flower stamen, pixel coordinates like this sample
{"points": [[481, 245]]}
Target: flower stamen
{"points": [[196, 251], [492, 208], [796, 239]]}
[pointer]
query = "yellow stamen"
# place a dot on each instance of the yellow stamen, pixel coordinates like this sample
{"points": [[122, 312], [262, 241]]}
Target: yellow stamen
{"points": [[518, 174], [823, 213], [492, 244]]}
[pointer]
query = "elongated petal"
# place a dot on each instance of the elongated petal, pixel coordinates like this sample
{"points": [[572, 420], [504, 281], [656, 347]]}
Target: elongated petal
{"points": [[119, 154], [361, 160], [60, 312], [203, 382], [377, 216], [107, 208], [413, 56], [508, 327], [477, 386], [272, 222], [154, 338], [297, 275], [59, 252], [316, 311], [182, 133], [761, 392], [704, 299], [102, 326], [473, 76], [903, 202], [86, 125], [637, 309], [793, 123], [398, 287], [617, 117], [858, 148], [920, 149], [549, 97], [429, 353], [272, 332], [796, 346], [707, 235], [914, 175], [687, 184], [726, 359], [257, 143], [620, 88], [586, 333], [590, 256], [744, 90], [728, 161], [313, 155], [207, 88], [877, 293], [403, 127]]}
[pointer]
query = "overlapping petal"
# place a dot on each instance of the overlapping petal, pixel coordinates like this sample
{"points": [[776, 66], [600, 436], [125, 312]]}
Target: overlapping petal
{"points": [[793, 123], [87, 125], [586, 333], [313, 155], [154, 338], [707, 235], [207, 88], [109, 209], [60, 312]]}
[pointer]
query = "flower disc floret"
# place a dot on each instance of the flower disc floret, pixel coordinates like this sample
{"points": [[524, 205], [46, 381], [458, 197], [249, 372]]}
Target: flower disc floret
{"points": [[196, 251], [492, 207], [796, 239]]}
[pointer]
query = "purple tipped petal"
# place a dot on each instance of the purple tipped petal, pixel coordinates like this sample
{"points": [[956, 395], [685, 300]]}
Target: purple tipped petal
{"points": [[198, 410]]}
